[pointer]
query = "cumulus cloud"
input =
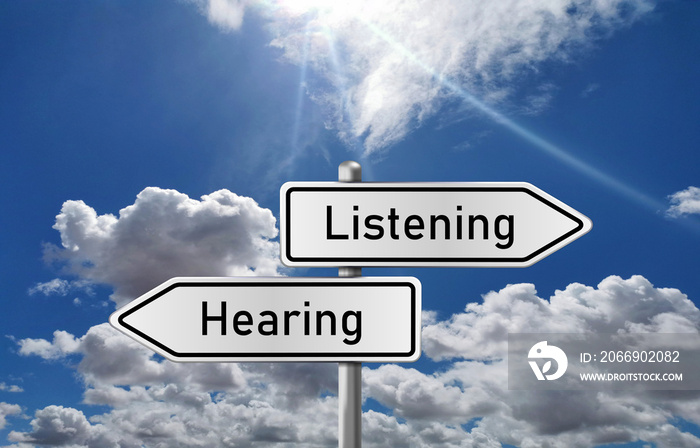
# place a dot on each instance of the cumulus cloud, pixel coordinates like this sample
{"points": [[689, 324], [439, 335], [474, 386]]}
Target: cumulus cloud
{"points": [[7, 409], [631, 305], [158, 403], [475, 386], [388, 66], [464, 403], [108, 358], [684, 202], [56, 425], [153, 402], [155, 418], [201, 404], [63, 344], [162, 235]]}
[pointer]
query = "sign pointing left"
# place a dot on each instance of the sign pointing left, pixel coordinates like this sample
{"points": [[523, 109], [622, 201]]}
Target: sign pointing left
{"points": [[243, 319]]}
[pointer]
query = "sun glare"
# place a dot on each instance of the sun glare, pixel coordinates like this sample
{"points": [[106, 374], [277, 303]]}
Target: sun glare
{"points": [[336, 9], [297, 7], [325, 12]]}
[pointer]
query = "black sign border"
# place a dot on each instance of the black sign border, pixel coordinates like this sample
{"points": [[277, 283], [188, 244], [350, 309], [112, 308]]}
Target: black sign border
{"points": [[401, 261], [250, 357]]}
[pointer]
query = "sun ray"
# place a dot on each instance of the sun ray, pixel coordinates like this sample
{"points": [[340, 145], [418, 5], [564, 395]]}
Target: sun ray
{"points": [[317, 9], [346, 104], [300, 92], [535, 140]]}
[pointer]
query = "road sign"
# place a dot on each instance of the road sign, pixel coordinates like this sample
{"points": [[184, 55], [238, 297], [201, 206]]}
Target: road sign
{"points": [[503, 224], [366, 319]]}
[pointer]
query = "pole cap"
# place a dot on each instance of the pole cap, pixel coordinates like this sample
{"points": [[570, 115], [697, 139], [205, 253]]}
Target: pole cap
{"points": [[350, 171]]}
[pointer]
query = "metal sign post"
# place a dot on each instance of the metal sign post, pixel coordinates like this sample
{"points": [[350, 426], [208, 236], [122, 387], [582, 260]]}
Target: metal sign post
{"points": [[350, 373], [350, 224]]}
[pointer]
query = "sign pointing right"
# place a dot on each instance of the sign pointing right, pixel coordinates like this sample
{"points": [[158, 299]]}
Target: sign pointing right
{"points": [[494, 224]]}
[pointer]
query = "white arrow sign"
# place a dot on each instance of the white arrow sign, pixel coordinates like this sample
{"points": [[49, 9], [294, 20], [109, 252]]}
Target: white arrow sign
{"points": [[504, 224], [374, 319]]}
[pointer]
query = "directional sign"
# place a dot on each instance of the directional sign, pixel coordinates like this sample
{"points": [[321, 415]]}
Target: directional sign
{"points": [[374, 319], [511, 224]]}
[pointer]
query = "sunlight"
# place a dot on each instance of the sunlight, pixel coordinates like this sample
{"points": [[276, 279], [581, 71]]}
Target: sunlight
{"points": [[537, 141], [325, 12], [299, 7], [300, 94]]}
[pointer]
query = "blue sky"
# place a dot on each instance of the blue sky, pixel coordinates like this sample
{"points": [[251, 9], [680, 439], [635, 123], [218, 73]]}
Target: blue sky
{"points": [[131, 131]]}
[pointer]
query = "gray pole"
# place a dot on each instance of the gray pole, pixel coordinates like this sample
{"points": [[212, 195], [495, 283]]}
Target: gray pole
{"points": [[349, 373]]}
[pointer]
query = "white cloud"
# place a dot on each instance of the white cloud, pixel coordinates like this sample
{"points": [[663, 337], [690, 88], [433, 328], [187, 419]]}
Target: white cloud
{"points": [[63, 344], [537, 102], [61, 287], [162, 235], [414, 395], [153, 401], [226, 14], [7, 409], [684, 202], [386, 62], [56, 286], [632, 305], [56, 425], [546, 418], [160, 420], [110, 358], [381, 430], [10, 387]]}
